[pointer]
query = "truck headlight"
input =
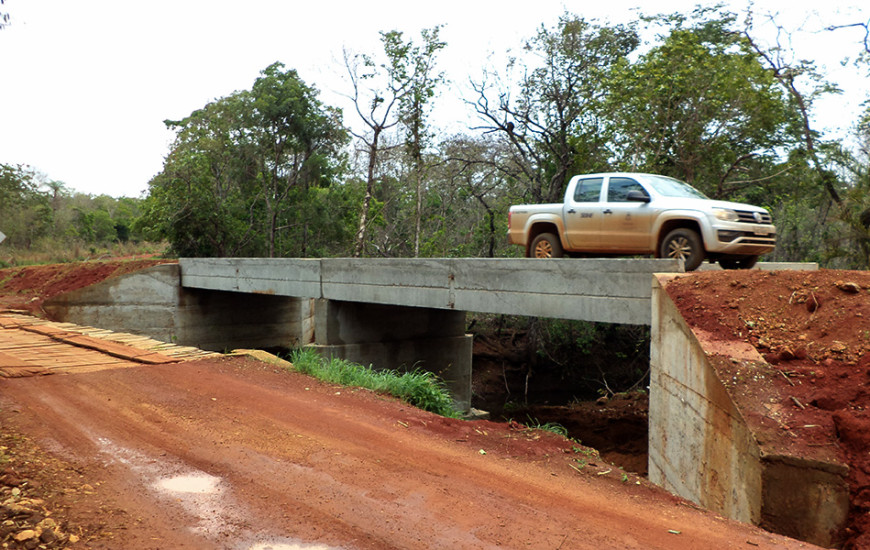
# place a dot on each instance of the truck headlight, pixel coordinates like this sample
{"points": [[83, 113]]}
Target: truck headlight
{"points": [[725, 214]]}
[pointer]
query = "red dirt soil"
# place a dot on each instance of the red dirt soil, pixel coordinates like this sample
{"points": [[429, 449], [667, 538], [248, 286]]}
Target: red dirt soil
{"points": [[284, 459], [234, 453], [813, 329]]}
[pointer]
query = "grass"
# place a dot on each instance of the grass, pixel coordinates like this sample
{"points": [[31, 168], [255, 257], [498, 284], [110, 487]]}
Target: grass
{"points": [[551, 427], [49, 252], [419, 388]]}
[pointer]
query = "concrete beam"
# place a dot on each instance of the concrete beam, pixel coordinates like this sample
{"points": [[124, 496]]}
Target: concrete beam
{"points": [[278, 276], [601, 290]]}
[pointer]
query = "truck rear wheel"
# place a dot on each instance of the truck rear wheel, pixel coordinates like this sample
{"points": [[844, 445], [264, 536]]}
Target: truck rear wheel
{"points": [[546, 245], [683, 244]]}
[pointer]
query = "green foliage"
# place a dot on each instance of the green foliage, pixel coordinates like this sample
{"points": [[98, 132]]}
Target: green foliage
{"points": [[551, 427], [419, 388], [554, 116], [41, 217], [248, 173], [700, 107]]}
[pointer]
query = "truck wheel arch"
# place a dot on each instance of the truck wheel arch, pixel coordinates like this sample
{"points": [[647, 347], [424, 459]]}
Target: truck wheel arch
{"points": [[539, 228], [670, 225]]}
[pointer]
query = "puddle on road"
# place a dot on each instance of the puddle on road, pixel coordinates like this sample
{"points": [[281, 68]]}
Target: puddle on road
{"points": [[201, 484], [205, 497], [201, 495], [289, 545]]}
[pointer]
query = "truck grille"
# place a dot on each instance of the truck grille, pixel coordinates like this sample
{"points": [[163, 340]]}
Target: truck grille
{"points": [[746, 216]]}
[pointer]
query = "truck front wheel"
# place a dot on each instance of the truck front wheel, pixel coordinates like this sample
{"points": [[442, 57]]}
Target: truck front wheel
{"points": [[685, 244], [546, 245]]}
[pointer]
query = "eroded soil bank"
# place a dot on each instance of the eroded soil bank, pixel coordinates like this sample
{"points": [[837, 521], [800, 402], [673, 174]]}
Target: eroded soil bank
{"points": [[26, 288]]}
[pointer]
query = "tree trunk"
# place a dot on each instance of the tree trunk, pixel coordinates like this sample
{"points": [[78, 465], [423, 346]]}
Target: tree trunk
{"points": [[367, 199], [418, 215]]}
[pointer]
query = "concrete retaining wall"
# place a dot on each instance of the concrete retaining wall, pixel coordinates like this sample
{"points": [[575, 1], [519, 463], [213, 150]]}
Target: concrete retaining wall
{"points": [[700, 447], [151, 302], [703, 448]]}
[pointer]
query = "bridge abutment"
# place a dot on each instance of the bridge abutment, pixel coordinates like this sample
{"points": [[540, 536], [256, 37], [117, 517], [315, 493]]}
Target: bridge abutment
{"points": [[708, 444], [152, 303], [399, 338]]}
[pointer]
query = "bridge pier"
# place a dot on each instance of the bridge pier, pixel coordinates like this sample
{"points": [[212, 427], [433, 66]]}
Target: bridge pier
{"points": [[399, 338]]}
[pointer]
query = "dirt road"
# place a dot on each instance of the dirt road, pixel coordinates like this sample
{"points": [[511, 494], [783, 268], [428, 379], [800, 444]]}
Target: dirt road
{"points": [[232, 453]]}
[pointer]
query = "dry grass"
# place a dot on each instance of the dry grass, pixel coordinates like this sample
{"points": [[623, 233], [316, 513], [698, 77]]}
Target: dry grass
{"points": [[45, 252]]}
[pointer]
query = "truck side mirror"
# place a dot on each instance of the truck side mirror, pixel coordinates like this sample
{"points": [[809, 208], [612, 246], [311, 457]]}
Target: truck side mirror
{"points": [[637, 196]]}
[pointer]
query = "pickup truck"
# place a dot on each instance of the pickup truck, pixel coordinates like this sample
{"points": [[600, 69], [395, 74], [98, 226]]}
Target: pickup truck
{"points": [[629, 213]]}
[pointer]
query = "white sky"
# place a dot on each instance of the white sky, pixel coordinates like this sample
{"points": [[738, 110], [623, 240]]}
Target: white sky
{"points": [[86, 84]]}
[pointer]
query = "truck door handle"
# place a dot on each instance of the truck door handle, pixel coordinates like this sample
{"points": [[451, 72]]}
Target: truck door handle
{"points": [[572, 211], [608, 211]]}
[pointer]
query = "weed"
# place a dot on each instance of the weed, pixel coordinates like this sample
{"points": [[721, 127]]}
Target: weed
{"points": [[553, 427], [419, 388]]}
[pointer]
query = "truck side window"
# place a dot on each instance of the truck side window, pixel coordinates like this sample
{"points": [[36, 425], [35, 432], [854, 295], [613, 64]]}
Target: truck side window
{"points": [[588, 190], [617, 190]]}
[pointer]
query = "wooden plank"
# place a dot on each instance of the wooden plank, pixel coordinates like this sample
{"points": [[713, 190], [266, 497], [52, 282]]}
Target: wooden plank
{"points": [[32, 346]]}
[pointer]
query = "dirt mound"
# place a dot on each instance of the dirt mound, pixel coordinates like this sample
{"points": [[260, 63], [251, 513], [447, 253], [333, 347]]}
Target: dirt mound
{"points": [[813, 329], [26, 288]]}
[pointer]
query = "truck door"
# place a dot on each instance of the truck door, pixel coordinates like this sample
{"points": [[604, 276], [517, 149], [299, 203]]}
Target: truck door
{"points": [[625, 225], [582, 215]]}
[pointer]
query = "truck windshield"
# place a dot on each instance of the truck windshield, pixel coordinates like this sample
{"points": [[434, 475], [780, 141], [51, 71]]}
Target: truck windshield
{"points": [[670, 187]]}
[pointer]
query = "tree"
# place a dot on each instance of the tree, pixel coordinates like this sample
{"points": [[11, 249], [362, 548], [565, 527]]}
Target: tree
{"points": [[296, 140], [386, 94], [200, 201], [788, 75], [241, 170], [554, 117], [24, 211], [415, 64], [850, 219], [700, 107], [476, 193]]}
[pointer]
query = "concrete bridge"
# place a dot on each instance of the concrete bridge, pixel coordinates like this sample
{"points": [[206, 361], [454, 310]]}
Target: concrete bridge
{"points": [[605, 290], [405, 313], [395, 313], [391, 313]]}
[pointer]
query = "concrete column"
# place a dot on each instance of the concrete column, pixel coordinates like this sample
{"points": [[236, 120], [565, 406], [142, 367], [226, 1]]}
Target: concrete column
{"points": [[401, 338]]}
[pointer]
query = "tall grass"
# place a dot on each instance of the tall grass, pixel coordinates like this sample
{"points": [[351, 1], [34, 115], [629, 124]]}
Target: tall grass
{"points": [[419, 388]]}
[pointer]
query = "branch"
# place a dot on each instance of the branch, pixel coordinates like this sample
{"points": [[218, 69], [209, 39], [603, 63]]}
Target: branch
{"points": [[865, 26], [742, 184]]}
